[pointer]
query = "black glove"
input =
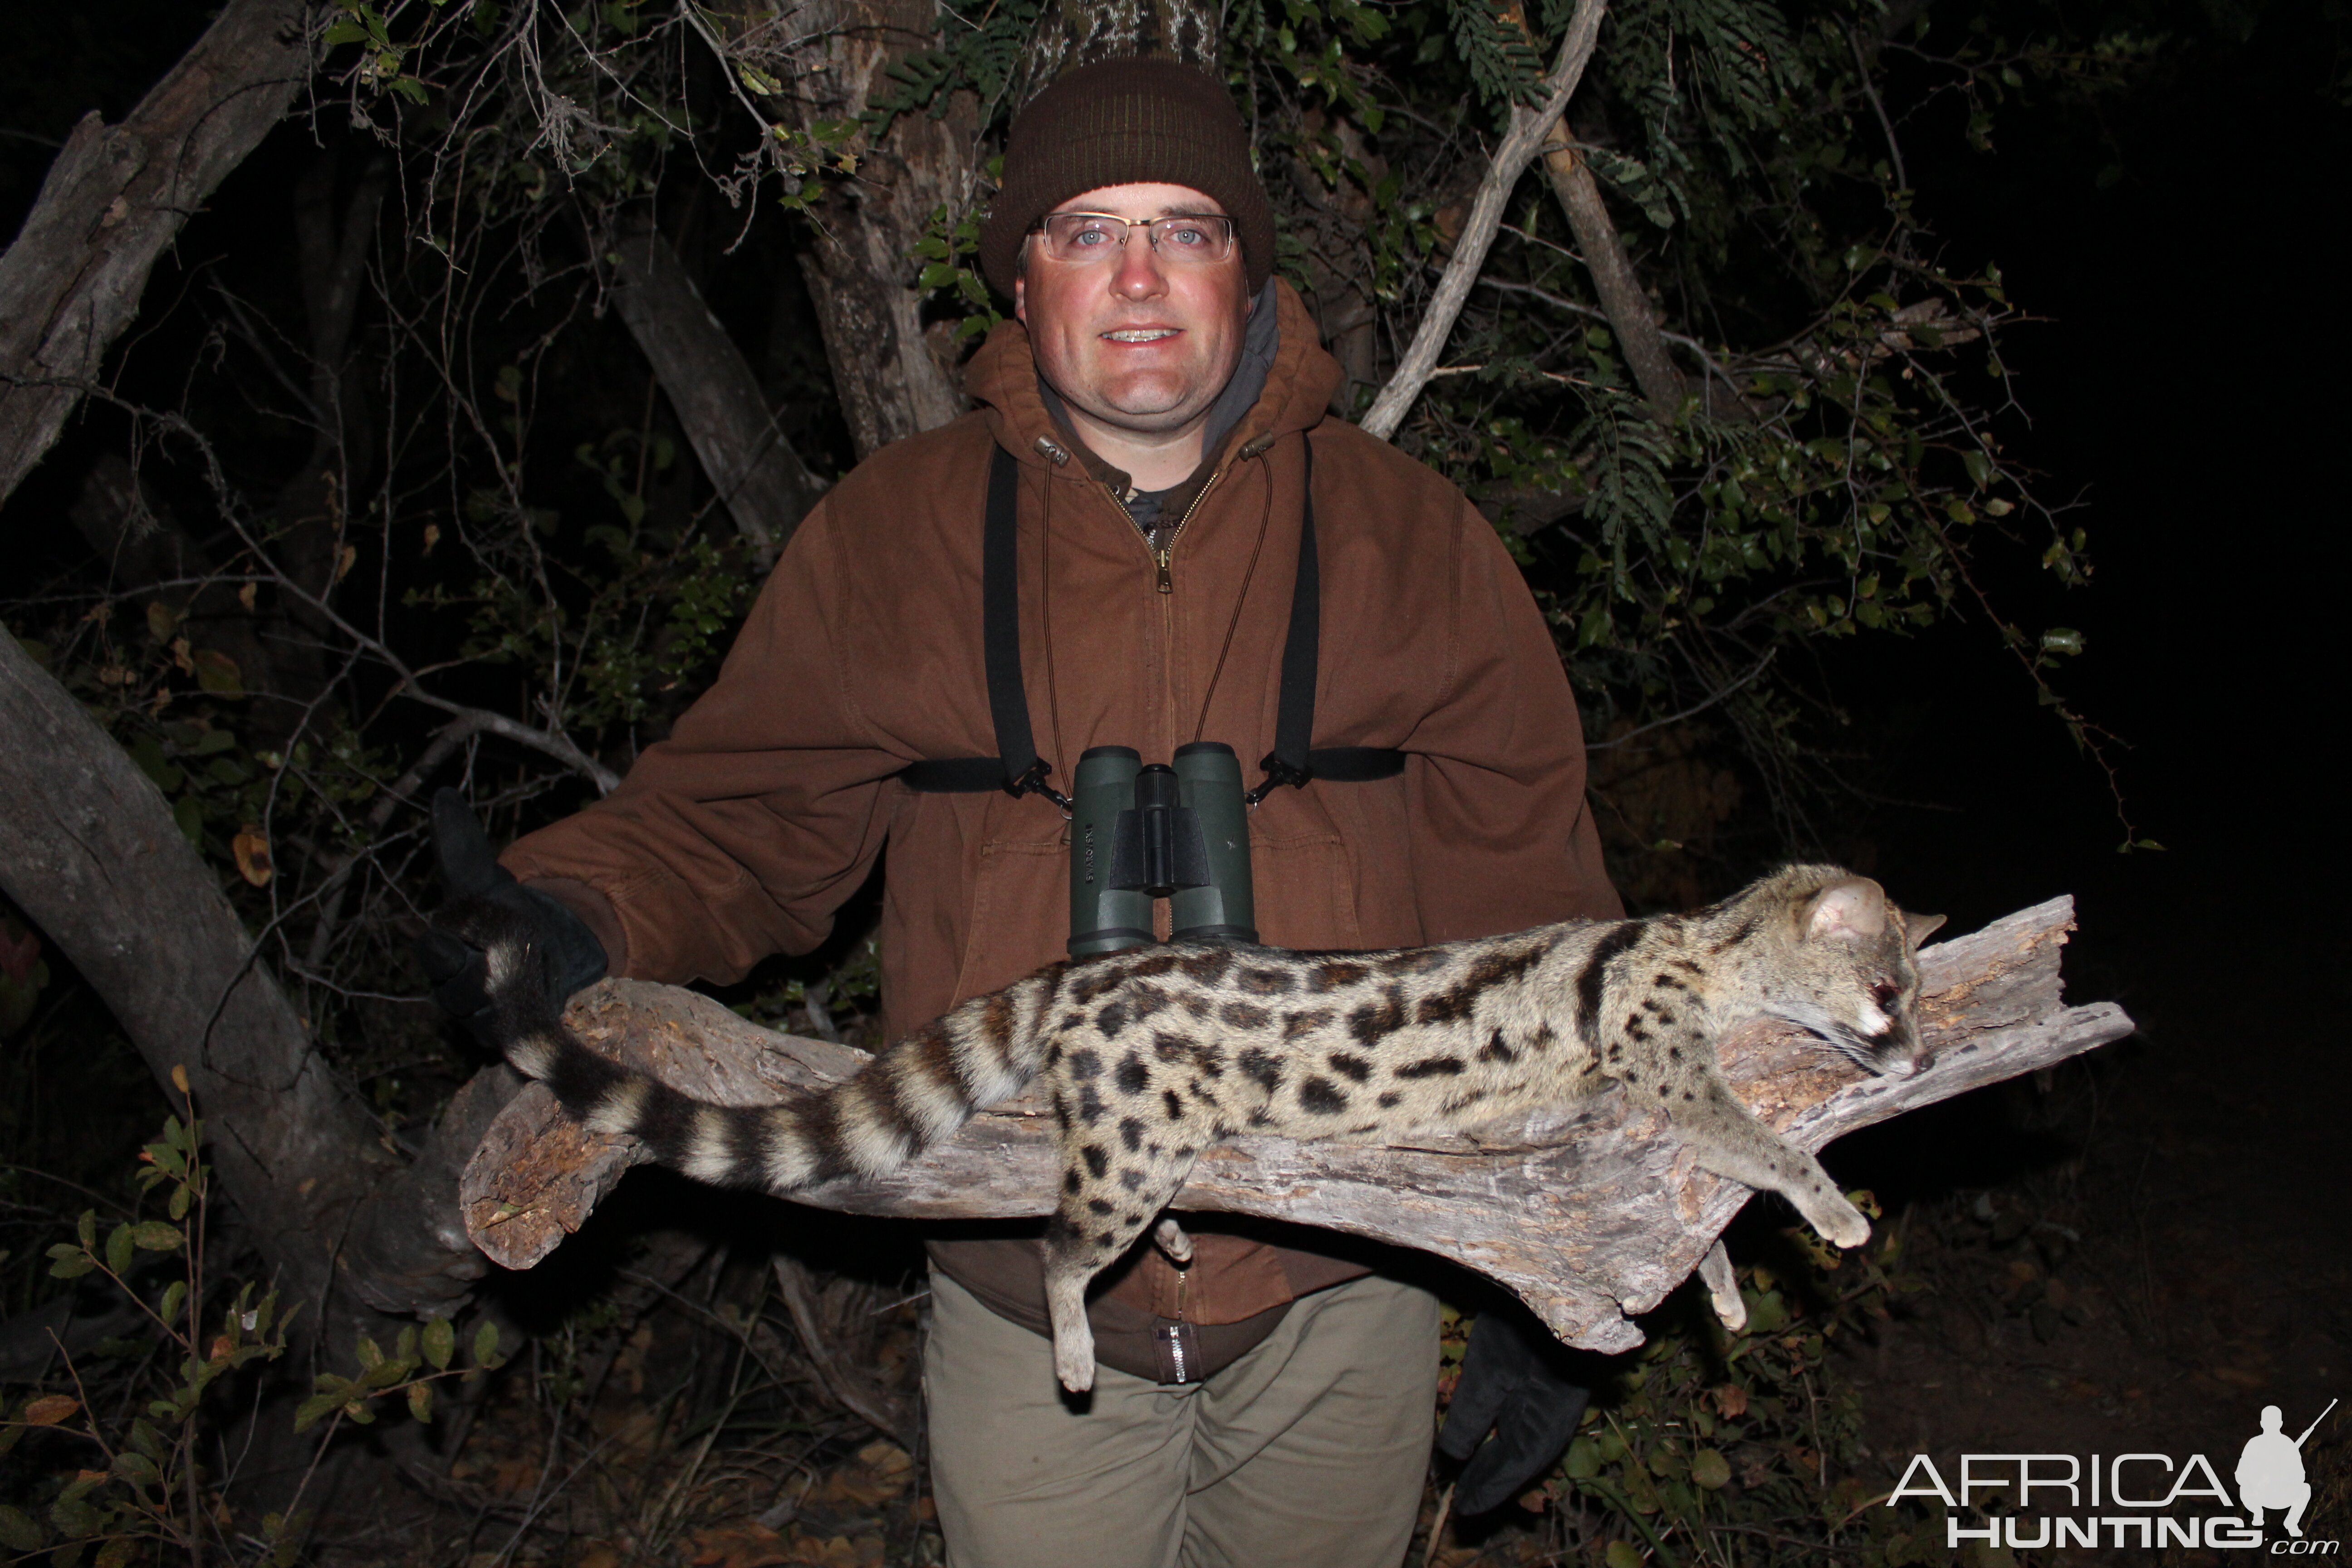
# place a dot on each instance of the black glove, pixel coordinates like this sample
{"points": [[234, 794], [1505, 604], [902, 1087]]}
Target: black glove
{"points": [[458, 970], [1512, 1381]]}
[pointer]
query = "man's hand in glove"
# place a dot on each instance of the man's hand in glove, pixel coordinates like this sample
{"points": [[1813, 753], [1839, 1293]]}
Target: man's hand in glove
{"points": [[1512, 1382], [459, 971]]}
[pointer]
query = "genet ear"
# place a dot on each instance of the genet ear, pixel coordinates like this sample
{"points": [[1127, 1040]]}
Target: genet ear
{"points": [[1917, 929], [1854, 910]]}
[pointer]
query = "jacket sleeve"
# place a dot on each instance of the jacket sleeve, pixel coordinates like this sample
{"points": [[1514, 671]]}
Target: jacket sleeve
{"points": [[741, 834], [1502, 835]]}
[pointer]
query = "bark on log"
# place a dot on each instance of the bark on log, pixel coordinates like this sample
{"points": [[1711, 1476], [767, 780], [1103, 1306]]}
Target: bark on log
{"points": [[1590, 1212], [115, 198], [89, 850], [765, 486]]}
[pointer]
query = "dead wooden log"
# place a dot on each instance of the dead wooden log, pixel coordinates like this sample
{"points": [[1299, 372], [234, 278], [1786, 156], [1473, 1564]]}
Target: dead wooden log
{"points": [[1591, 1212]]}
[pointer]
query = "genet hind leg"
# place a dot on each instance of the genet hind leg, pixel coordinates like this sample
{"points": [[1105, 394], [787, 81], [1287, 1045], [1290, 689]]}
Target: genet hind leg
{"points": [[1729, 1141], [1723, 1287], [1110, 1194], [1170, 1237]]}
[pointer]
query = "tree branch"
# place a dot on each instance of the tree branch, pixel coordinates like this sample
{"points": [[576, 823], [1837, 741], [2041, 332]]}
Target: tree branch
{"points": [[115, 198], [764, 484], [1591, 1212], [1631, 315], [1519, 143]]}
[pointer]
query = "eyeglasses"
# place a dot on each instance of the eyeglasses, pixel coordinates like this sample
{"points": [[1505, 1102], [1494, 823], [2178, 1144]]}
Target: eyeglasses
{"points": [[1188, 238]]}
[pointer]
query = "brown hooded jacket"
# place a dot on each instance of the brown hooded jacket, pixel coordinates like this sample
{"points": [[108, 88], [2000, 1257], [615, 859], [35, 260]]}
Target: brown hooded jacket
{"points": [[741, 834]]}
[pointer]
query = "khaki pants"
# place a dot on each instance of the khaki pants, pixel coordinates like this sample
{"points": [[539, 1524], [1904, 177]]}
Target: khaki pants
{"points": [[1308, 1452]]}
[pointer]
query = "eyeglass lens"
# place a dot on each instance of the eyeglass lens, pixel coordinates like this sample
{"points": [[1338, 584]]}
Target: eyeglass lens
{"points": [[1186, 237]]}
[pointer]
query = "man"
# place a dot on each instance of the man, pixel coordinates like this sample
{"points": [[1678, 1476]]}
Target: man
{"points": [[1157, 395], [2270, 1472]]}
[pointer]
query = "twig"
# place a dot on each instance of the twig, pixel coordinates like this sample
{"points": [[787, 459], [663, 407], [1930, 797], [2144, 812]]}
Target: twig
{"points": [[1478, 236], [1695, 709], [1437, 1529], [1894, 147]]}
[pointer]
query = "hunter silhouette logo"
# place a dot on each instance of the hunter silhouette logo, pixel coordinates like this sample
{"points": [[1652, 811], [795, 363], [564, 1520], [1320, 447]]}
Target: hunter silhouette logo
{"points": [[2270, 1471]]}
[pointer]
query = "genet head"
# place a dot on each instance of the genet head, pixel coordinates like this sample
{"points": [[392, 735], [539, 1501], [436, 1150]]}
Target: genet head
{"points": [[1856, 956]]}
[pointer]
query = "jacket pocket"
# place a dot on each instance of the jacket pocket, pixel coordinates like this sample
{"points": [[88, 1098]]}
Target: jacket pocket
{"points": [[1019, 914], [1305, 890]]}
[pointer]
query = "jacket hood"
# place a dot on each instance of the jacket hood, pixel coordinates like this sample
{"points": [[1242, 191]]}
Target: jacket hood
{"points": [[1003, 377]]}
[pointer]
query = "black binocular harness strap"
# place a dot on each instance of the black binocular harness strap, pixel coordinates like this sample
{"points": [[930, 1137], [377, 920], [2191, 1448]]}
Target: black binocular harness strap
{"points": [[1017, 770]]}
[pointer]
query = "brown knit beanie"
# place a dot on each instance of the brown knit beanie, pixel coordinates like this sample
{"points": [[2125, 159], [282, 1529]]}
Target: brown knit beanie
{"points": [[1121, 122]]}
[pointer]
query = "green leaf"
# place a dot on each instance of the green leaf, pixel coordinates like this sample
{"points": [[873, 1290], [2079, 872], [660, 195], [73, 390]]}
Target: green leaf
{"points": [[146, 1439], [175, 1296], [307, 1414], [386, 1373], [1710, 1469], [218, 673], [486, 1346], [345, 31], [76, 1518], [420, 1401], [19, 1531], [155, 1236], [136, 1467], [87, 1227], [2062, 640], [1766, 1313], [72, 1263], [1621, 1554], [119, 1249], [371, 1353], [440, 1343]]}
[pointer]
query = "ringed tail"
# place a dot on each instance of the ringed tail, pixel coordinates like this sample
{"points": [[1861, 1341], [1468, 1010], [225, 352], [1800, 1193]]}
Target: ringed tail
{"points": [[917, 1091]]}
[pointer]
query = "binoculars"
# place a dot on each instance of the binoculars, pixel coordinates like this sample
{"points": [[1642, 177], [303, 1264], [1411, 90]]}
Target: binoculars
{"points": [[1144, 831]]}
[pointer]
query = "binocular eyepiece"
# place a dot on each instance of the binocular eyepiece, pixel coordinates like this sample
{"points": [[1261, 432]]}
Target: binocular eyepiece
{"points": [[1144, 831]]}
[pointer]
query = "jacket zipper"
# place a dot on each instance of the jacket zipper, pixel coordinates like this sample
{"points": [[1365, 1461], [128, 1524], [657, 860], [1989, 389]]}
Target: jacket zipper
{"points": [[1163, 557]]}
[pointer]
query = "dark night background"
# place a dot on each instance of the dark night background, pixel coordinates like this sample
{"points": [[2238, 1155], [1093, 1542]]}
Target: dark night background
{"points": [[2186, 385], [2189, 385]]}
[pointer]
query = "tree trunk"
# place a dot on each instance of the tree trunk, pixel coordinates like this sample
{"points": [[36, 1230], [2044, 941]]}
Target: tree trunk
{"points": [[114, 198], [766, 487], [895, 376], [1075, 33], [89, 852], [1591, 1212]]}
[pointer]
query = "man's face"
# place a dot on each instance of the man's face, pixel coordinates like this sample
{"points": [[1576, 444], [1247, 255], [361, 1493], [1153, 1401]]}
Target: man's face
{"points": [[1139, 343]]}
